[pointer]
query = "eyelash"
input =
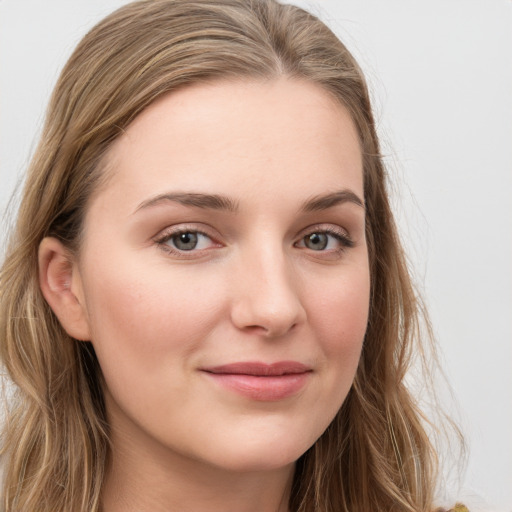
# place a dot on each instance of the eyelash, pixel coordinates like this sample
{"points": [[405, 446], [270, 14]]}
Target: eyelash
{"points": [[168, 235], [339, 235]]}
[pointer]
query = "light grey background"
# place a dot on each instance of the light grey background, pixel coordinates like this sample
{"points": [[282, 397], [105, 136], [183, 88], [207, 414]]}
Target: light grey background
{"points": [[441, 76]]}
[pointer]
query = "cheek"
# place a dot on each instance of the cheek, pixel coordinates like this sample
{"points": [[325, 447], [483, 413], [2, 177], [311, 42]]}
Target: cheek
{"points": [[146, 325], [339, 316], [142, 316], [342, 309]]}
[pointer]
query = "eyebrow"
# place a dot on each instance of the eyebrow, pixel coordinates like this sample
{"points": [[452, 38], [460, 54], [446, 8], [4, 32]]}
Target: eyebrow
{"points": [[324, 202], [197, 200], [220, 202]]}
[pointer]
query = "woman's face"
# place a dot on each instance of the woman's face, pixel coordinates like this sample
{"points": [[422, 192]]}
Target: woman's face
{"points": [[224, 273]]}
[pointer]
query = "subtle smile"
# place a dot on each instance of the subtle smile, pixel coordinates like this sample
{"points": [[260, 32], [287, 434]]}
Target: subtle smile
{"points": [[261, 381]]}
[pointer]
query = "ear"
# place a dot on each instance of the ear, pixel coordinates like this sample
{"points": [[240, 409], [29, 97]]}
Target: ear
{"points": [[61, 285]]}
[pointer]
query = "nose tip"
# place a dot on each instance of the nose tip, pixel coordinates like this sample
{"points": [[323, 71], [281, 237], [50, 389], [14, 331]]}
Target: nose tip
{"points": [[267, 304], [270, 325]]}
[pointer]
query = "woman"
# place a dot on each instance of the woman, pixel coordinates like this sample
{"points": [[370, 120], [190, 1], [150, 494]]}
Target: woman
{"points": [[205, 305]]}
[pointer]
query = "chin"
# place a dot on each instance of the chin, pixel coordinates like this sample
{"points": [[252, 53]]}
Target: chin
{"points": [[255, 463], [261, 455]]}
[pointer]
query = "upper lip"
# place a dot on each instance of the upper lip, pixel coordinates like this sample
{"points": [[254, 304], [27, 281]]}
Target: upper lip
{"points": [[260, 369]]}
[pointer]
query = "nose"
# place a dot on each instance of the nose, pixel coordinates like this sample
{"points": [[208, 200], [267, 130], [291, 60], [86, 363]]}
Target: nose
{"points": [[266, 300]]}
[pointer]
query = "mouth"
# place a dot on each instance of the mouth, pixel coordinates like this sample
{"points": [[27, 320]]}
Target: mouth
{"points": [[261, 381]]}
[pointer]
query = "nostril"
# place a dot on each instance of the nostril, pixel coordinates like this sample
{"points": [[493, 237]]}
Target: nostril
{"points": [[256, 329], [270, 331]]}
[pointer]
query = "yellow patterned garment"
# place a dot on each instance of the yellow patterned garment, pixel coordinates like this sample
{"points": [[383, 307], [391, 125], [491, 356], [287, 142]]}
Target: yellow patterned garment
{"points": [[459, 507]]}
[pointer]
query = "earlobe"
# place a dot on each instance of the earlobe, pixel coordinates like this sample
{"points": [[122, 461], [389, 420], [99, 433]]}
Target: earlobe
{"points": [[60, 283]]}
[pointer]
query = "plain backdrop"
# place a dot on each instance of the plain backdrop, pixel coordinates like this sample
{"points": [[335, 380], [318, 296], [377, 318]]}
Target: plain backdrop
{"points": [[440, 73]]}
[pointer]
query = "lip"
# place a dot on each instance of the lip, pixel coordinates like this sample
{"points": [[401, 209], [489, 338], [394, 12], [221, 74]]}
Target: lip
{"points": [[261, 381]]}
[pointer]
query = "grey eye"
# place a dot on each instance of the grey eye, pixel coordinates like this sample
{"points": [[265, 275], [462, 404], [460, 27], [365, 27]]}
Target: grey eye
{"points": [[316, 241], [185, 241]]}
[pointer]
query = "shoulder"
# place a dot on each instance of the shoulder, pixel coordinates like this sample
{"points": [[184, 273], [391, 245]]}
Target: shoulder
{"points": [[459, 507]]}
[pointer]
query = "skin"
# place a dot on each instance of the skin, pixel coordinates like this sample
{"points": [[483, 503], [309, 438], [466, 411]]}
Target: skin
{"points": [[254, 288]]}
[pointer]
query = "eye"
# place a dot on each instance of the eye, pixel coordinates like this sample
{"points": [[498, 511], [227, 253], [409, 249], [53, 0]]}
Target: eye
{"points": [[316, 241], [185, 240], [327, 240]]}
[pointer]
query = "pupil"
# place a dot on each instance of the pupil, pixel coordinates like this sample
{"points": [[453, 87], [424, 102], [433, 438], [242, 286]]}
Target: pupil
{"points": [[316, 241], [186, 241]]}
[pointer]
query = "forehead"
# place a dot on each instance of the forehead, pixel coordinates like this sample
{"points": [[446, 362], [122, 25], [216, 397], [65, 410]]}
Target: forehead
{"points": [[240, 137]]}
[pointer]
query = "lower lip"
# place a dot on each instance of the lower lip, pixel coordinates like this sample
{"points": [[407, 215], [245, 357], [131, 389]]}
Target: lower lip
{"points": [[265, 388]]}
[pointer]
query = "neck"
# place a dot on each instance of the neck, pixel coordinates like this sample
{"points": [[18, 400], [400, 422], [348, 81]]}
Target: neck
{"points": [[149, 479]]}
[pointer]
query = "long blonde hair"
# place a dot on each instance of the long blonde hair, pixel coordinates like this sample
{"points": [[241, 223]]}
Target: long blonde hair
{"points": [[376, 454]]}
